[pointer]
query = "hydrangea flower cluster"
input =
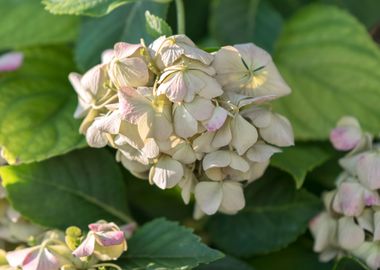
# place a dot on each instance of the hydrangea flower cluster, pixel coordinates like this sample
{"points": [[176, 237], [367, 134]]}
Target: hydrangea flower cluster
{"points": [[180, 116], [73, 251], [350, 223]]}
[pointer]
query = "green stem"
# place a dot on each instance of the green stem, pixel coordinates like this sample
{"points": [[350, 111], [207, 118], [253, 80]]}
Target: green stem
{"points": [[180, 16]]}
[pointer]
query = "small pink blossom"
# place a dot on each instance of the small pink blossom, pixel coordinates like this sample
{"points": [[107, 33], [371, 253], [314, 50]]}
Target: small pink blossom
{"points": [[11, 61]]}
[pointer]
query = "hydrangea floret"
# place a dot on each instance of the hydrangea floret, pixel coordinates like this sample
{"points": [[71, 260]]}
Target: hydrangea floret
{"points": [[350, 223], [180, 116]]}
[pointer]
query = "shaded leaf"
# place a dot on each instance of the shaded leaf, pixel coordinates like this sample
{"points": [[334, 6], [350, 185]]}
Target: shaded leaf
{"points": [[75, 189], [126, 23], [163, 244], [350, 263], [227, 263], [300, 160], [156, 26], [275, 215]]}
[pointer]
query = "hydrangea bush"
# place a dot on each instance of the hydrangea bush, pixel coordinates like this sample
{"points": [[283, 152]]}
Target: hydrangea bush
{"points": [[241, 136]]}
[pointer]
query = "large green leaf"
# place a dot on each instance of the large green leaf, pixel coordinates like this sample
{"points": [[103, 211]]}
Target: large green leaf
{"points": [[87, 7], [75, 189], [298, 256], [227, 263], [37, 105], [25, 23], [245, 21], [331, 64], [124, 24], [275, 215], [300, 160], [163, 244], [350, 263]]}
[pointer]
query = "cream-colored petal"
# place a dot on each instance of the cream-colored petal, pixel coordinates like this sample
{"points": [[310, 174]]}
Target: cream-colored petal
{"points": [[185, 125], [187, 185], [217, 159], [132, 72], [223, 135], [150, 149], [244, 134], [201, 109], [368, 170], [217, 119], [261, 152], [129, 134], [131, 165], [254, 56], [209, 196], [173, 86], [238, 163], [256, 170], [203, 143], [125, 50], [279, 132], [132, 105], [166, 173], [261, 117], [350, 235], [95, 137], [216, 174], [185, 154], [233, 197]]}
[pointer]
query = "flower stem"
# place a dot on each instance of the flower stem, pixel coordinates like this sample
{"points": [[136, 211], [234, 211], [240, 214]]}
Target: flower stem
{"points": [[180, 16]]}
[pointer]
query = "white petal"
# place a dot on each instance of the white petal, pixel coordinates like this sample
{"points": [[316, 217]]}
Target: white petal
{"points": [[216, 159], [201, 109], [166, 173], [279, 132], [95, 137], [132, 72], [256, 170], [173, 86], [132, 105], [261, 152], [11, 61], [185, 154], [350, 235], [203, 143], [223, 136], [238, 163], [209, 196], [260, 117], [244, 134], [217, 119], [233, 197], [185, 125], [368, 170], [349, 199]]}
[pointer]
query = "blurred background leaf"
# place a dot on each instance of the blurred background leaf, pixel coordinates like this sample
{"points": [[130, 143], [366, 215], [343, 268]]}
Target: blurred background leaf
{"points": [[126, 23], [274, 216], [26, 23], [163, 244], [75, 189], [331, 63]]}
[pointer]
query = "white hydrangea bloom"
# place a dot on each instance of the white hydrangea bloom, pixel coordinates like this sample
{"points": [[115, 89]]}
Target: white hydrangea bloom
{"points": [[180, 116]]}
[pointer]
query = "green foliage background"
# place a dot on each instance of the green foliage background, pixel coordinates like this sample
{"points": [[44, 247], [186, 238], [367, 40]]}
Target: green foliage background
{"points": [[325, 52]]}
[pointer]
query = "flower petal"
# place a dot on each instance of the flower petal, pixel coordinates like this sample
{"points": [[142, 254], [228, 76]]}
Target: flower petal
{"points": [[201, 109], [132, 105], [244, 134], [349, 199], [110, 238], [209, 196], [233, 197], [217, 119], [166, 173], [261, 152], [368, 170], [86, 248], [217, 159], [350, 235], [185, 125], [279, 132], [11, 61]]}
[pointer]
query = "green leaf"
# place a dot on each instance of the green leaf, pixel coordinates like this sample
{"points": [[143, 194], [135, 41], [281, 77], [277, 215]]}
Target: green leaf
{"points": [[245, 21], [367, 11], [75, 189], [163, 244], [124, 24], [275, 215], [37, 105], [350, 263], [88, 7], [26, 23], [298, 256], [300, 160], [331, 63], [226, 263], [156, 26]]}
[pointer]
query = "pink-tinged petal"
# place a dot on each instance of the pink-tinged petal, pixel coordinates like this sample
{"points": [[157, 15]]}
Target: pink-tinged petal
{"points": [[102, 226], [174, 87], [123, 49], [110, 238], [11, 61], [17, 257], [349, 199], [107, 56], [87, 247], [368, 170], [129, 229], [217, 119], [132, 105], [345, 138], [43, 260]]}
